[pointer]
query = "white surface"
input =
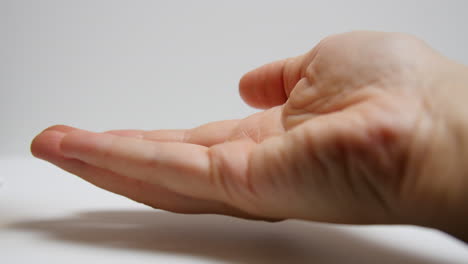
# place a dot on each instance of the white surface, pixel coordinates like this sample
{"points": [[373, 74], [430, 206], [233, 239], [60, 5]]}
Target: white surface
{"points": [[50, 216], [105, 64]]}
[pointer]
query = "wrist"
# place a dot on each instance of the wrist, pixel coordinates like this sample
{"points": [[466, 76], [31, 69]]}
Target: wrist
{"points": [[434, 193], [448, 168]]}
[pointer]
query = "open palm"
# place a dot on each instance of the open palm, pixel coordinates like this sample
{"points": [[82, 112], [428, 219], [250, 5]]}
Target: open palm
{"points": [[336, 142]]}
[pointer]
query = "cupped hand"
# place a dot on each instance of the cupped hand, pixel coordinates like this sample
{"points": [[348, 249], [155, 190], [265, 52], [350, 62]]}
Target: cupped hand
{"points": [[365, 128]]}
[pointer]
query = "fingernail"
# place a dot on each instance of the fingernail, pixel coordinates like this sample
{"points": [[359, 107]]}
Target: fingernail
{"points": [[46, 144], [80, 142]]}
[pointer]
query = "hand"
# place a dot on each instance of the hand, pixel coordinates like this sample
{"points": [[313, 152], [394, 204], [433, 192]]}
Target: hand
{"points": [[365, 128]]}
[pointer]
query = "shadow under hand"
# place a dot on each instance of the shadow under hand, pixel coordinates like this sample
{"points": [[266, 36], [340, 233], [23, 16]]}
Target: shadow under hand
{"points": [[218, 237]]}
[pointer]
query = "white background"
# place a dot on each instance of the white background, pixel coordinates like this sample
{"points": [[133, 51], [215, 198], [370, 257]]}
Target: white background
{"points": [[105, 64]]}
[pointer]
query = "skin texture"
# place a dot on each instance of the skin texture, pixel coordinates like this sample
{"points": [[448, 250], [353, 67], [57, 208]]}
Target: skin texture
{"points": [[366, 128]]}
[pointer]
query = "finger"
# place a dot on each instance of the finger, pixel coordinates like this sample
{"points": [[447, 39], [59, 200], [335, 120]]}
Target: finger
{"points": [[180, 167], [206, 135], [271, 84], [46, 146]]}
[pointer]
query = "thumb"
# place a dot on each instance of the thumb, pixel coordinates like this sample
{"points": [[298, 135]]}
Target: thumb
{"points": [[271, 84]]}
